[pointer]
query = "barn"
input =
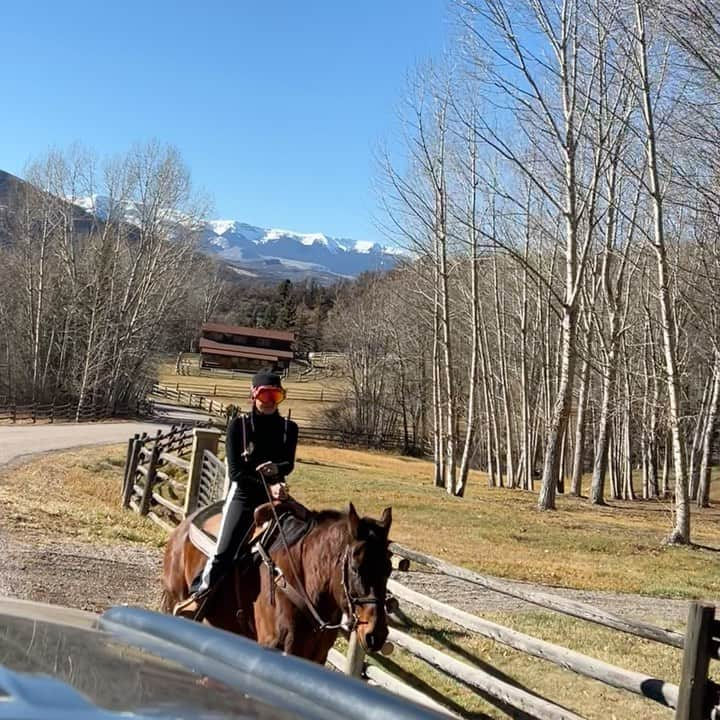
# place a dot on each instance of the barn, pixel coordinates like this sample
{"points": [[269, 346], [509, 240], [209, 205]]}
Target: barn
{"points": [[234, 347]]}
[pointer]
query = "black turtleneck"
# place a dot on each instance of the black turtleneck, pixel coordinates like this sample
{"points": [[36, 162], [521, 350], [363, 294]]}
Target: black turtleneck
{"points": [[253, 439]]}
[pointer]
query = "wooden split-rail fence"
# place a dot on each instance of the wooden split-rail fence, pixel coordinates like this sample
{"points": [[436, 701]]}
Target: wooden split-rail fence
{"points": [[35, 412], [231, 390], [163, 473], [169, 475]]}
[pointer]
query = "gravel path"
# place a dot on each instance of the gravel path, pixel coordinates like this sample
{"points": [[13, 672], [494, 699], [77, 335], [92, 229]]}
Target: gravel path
{"points": [[95, 577], [477, 600], [83, 576]]}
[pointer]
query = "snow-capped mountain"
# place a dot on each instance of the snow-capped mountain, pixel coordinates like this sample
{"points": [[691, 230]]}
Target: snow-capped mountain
{"points": [[241, 243], [257, 251]]}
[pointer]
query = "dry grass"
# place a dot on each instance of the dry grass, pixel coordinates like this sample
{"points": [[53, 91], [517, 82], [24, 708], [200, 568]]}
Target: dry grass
{"points": [[500, 532], [584, 696], [73, 494], [76, 495]]}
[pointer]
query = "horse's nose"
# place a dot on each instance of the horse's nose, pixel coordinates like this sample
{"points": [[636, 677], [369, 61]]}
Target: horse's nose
{"points": [[370, 641]]}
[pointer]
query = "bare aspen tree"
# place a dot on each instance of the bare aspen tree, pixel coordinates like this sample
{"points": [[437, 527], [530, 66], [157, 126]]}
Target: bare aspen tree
{"points": [[472, 181], [97, 293], [550, 92], [681, 529]]}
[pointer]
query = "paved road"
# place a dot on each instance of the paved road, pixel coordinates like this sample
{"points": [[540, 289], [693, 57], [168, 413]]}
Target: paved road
{"points": [[19, 440]]}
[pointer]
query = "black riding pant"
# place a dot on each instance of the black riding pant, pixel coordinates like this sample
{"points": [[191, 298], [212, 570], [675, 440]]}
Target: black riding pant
{"points": [[237, 519]]}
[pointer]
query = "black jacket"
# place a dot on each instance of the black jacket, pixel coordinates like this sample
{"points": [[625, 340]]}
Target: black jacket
{"points": [[252, 439]]}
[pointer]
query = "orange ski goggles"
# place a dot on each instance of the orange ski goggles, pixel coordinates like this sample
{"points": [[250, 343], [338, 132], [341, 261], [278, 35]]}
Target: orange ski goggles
{"points": [[269, 394]]}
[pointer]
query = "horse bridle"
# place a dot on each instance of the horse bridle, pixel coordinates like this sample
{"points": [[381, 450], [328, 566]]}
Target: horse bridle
{"points": [[300, 599], [353, 601]]}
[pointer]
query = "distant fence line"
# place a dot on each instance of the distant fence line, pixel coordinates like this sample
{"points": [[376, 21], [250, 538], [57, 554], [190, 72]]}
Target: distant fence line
{"points": [[170, 475], [225, 390], [309, 433], [66, 412]]}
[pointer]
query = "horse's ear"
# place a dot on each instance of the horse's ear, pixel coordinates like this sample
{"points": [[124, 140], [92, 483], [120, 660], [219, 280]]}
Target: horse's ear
{"points": [[386, 519], [353, 520]]}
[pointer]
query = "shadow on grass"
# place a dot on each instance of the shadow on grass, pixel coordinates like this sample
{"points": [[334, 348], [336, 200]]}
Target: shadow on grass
{"points": [[321, 464], [443, 637], [416, 683], [707, 548]]}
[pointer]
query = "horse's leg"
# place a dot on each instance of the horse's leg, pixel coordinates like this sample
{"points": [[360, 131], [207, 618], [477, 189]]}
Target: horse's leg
{"points": [[319, 647]]}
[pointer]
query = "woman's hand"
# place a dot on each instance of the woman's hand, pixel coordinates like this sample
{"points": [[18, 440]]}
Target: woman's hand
{"points": [[279, 491], [268, 469]]}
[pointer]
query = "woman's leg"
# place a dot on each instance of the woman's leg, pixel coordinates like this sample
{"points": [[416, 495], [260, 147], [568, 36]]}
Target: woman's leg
{"points": [[237, 519]]}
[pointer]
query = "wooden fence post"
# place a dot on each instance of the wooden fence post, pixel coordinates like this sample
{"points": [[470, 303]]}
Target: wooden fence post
{"points": [[150, 477], [131, 469], [128, 455], [355, 659], [203, 439], [693, 698]]}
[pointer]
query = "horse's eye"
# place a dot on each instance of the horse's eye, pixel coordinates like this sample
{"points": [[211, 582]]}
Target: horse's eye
{"points": [[358, 553]]}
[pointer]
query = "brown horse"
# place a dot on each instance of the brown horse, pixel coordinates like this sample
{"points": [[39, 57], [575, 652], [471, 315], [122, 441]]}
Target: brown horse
{"points": [[340, 568]]}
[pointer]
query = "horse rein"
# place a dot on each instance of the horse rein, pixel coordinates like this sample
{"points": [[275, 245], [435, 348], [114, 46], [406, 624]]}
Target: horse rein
{"points": [[300, 598]]}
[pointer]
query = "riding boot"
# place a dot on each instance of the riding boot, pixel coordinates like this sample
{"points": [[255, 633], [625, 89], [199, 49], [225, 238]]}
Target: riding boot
{"points": [[193, 607]]}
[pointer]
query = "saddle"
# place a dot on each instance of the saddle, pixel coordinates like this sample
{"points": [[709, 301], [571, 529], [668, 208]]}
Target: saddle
{"points": [[295, 522]]}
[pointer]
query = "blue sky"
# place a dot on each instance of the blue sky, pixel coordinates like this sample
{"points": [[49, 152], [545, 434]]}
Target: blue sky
{"points": [[275, 105]]}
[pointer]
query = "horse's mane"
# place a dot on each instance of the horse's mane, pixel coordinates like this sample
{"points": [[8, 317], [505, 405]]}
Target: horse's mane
{"points": [[368, 529], [327, 516]]}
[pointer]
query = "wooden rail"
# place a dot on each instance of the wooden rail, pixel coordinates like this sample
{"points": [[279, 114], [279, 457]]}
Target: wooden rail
{"points": [[241, 391], [148, 486], [546, 600], [697, 697], [663, 692]]}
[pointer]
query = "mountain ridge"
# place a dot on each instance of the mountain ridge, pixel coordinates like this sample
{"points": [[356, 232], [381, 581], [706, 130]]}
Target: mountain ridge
{"points": [[250, 250], [240, 242]]}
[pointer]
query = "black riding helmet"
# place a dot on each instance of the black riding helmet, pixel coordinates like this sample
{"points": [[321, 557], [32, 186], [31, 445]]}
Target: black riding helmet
{"points": [[266, 378]]}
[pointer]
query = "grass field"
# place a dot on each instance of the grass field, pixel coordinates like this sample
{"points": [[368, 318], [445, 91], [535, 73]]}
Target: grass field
{"points": [[492, 531]]}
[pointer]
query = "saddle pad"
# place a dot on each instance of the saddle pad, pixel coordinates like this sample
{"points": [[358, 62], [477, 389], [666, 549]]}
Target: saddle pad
{"points": [[201, 536]]}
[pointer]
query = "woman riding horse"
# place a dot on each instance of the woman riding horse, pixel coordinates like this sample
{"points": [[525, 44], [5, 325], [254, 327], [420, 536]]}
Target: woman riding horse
{"points": [[260, 453]]}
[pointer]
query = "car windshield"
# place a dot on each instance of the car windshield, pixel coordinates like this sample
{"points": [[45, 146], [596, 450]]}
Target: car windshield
{"points": [[111, 675]]}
